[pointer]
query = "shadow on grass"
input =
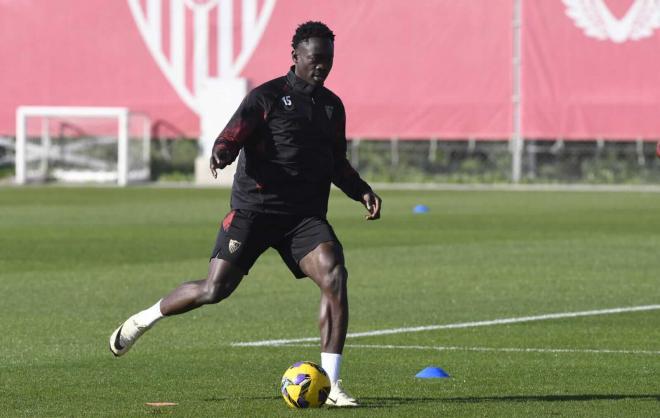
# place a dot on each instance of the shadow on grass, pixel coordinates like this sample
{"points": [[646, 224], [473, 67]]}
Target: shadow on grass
{"points": [[242, 398], [388, 402], [396, 401]]}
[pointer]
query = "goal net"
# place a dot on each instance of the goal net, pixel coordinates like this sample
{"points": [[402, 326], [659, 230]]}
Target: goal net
{"points": [[81, 144]]}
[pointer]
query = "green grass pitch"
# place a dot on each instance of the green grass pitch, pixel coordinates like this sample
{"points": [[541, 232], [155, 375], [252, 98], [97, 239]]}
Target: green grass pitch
{"points": [[75, 262]]}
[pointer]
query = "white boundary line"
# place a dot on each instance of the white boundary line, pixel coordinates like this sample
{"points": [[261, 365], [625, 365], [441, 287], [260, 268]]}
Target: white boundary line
{"points": [[265, 343], [510, 187], [490, 349]]}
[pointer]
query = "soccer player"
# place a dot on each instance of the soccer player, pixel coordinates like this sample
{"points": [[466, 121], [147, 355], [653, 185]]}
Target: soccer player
{"points": [[291, 131]]}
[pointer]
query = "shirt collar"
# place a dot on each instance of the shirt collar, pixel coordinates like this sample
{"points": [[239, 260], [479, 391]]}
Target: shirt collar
{"points": [[298, 84]]}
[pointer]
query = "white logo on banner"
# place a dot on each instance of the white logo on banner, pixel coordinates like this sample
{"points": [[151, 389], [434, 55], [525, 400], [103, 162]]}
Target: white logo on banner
{"points": [[175, 68], [597, 21]]}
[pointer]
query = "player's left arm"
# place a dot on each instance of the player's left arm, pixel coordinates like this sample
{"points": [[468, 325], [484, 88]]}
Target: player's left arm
{"points": [[344, 175]]}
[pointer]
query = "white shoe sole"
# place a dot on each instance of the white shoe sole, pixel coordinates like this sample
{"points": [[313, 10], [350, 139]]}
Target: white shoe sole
{"points": [[345, 405], [333, 403]]}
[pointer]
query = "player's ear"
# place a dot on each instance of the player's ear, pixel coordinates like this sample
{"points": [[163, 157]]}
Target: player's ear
{"points": [[294, 56]]}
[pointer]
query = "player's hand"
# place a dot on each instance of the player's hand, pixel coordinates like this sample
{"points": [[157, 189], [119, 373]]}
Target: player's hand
{"points": [[373, 203], [219, 159], [215, 165]]}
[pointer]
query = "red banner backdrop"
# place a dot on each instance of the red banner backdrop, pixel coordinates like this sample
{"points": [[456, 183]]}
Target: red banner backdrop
{"points": [[591, 69], [437, 68], [428, 68]]}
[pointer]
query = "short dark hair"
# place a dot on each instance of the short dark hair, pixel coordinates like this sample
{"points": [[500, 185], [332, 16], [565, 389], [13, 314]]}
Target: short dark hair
{"points": [[311, 30]]}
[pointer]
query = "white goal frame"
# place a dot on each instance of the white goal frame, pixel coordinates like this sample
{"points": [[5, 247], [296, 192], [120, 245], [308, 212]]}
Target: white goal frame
{"points": [[120, 114]]}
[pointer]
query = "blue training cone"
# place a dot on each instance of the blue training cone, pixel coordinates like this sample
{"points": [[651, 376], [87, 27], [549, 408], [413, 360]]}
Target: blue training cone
{"points": [[432, 373], [421, 209]]}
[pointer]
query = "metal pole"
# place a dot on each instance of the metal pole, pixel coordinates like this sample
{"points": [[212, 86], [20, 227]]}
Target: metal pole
{"points": [[471, 145], [20, 157], [433, 149], [639, 145], [394, 152], [516, 137], [146, 145], [355, 153], [45, 148], [122, 149]]}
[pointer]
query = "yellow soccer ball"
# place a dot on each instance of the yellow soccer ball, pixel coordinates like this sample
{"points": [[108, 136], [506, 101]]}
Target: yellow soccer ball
{"points": [[305, 385]]}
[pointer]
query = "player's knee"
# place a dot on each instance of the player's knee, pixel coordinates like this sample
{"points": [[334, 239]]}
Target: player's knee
{"points": [[214, 293], [334, 281]]}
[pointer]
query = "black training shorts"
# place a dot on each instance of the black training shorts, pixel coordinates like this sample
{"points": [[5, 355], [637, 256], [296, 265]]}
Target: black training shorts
{"points": [[244, 235]]}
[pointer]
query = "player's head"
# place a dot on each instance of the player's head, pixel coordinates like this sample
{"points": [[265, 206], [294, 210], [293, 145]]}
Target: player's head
{"points": [[313, 51]]}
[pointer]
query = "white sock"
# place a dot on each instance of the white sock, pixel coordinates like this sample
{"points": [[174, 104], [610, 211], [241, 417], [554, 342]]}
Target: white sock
{"points": [[331, 362], [149, 316]]}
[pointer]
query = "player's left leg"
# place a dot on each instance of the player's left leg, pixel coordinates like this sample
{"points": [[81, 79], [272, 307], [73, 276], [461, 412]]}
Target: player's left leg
{"points": [[325, 266]]}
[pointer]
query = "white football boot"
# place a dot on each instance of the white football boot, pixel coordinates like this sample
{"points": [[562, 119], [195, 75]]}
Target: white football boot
{"points": [[126, 335], [338, 397]]}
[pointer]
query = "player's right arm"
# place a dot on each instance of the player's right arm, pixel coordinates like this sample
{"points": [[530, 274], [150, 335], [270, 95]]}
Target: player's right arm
{"points": [[246, 119]]}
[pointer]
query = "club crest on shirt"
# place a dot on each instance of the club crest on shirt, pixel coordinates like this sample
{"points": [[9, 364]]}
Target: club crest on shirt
{"points": [[233, 245], [328, 111], [287, 103]]}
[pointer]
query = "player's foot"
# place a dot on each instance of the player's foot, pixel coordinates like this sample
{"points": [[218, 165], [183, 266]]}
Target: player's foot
{"points": [[338, 397], [125, 336]]}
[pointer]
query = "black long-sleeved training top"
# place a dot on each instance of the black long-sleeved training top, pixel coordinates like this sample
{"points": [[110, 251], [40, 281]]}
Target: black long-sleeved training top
{"points": [[293, 137]]}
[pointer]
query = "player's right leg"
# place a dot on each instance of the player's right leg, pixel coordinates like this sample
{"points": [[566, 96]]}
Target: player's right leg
{"points": [[243, 236], [222, 279]]}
